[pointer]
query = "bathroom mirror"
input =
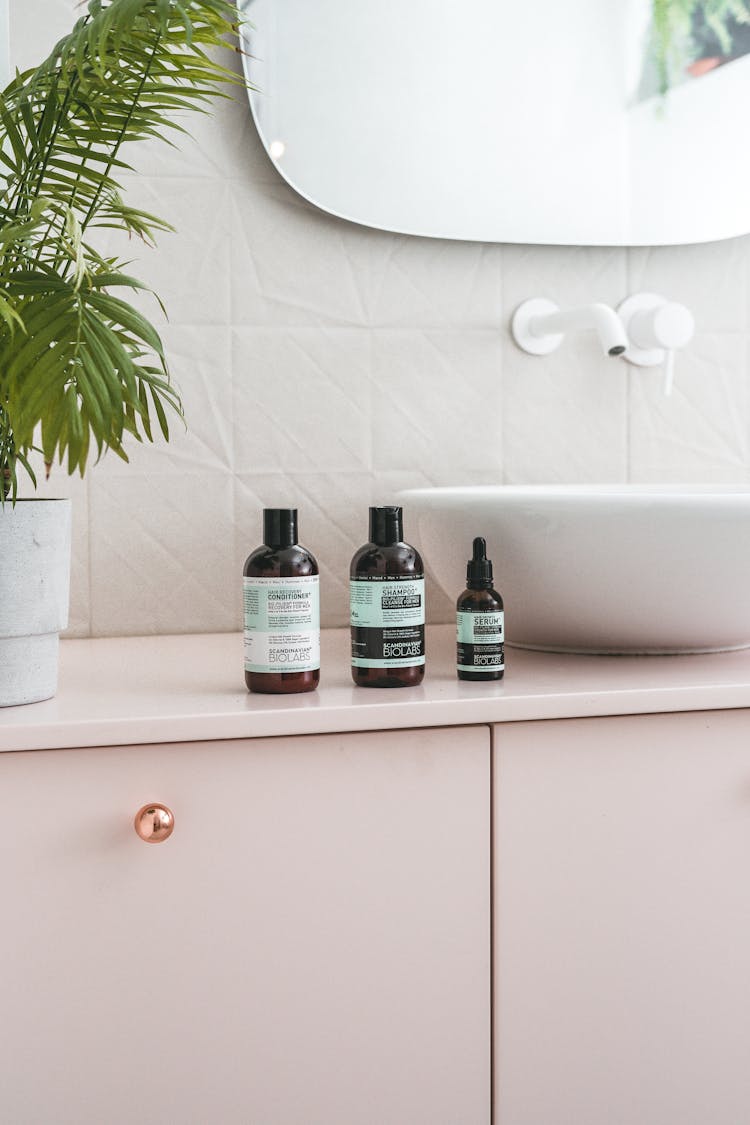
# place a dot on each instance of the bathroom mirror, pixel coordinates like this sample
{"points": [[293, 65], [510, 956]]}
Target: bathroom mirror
{"points": [[580, 122]]}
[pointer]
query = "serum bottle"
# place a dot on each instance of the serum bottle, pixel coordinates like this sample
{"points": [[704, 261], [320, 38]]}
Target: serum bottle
{"points": [[480, 622], [282, 610], [387, 606]]}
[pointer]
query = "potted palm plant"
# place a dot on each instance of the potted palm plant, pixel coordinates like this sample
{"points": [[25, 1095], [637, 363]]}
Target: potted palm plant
{"points": [[81, 369]]}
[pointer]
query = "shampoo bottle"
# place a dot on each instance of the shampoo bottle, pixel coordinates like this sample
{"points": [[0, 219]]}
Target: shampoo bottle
{"points": [[480, 622], [387, 606], [282, 610]]}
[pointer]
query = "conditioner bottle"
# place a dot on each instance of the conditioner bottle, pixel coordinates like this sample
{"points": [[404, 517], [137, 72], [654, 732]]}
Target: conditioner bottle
{"points": [[480, 622], [387, 606], [282, 610]]}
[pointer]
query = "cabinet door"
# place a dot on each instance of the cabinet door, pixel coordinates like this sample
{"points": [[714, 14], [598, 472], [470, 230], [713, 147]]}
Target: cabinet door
{"points": [[622, 932], [311, 945]]}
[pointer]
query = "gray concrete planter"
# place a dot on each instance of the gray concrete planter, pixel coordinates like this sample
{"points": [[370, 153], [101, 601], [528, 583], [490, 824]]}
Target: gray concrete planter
{"points": [[34, 592]]}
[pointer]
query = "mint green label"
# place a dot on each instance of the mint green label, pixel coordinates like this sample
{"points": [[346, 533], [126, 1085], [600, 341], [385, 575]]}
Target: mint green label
{"points": [[387, 621], [479, 641], [379, 603], [282, 624], [480, 628]]}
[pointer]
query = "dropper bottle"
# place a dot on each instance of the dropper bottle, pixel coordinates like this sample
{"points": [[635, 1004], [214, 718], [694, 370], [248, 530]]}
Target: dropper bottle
{"points": [[480, 622]]}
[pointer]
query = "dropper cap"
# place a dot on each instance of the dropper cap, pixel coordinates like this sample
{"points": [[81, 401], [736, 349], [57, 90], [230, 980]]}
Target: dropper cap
{"points": [[479, 568], [386, 526], [279, 527]]}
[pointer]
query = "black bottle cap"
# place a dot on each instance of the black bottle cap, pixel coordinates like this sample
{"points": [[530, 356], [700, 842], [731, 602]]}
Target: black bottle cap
{"points": [[479, 568], [386, 526], [279, 527]]}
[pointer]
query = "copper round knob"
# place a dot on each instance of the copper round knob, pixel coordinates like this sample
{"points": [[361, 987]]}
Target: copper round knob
{"points": [[154, 823]]}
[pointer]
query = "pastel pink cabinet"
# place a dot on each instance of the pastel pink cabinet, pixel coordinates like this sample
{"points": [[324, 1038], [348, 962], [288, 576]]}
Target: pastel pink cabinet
{"points": [[311, 946], [622, 926]]}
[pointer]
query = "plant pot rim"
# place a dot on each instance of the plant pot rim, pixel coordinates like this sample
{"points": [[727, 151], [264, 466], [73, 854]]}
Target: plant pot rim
{"points": [[36, 500]]}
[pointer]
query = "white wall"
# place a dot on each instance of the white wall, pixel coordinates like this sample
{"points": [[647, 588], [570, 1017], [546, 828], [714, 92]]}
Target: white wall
{"points": [[4, 43], [326, 365]]}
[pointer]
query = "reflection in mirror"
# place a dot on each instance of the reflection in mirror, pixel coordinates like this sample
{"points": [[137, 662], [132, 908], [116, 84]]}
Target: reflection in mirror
{"points": [[589, 122], [690, 38]]}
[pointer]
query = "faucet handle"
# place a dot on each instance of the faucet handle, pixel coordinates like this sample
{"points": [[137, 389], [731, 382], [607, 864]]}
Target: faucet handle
{"points": [[656, 328], [668, 371], [668, 325]]}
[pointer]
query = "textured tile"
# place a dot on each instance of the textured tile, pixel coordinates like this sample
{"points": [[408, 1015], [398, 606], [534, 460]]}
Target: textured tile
{"points": [[568, 275], [711, 279], [428, 282], [188, 269], [194, 154], [199, 359], [294, 265], [564, 415], [161, 554], [701, 432], [301, 400], [436, 400]]}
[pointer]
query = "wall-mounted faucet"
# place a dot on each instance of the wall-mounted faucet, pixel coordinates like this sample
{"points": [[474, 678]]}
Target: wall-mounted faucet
{"points": [[539, 326]]}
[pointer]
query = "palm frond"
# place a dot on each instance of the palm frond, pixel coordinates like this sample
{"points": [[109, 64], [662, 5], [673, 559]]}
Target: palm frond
{"points": [[78, 364]]}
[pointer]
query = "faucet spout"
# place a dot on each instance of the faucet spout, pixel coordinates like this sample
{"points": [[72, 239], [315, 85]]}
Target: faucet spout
{"points": [[539, 326], [601, 318]]}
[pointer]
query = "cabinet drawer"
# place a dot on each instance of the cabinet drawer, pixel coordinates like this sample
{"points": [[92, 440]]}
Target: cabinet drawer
{"points": [[622, 933], [311, 944]]}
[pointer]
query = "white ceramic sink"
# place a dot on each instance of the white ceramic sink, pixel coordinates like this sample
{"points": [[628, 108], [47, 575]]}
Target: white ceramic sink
{"points": [[600, 568]]}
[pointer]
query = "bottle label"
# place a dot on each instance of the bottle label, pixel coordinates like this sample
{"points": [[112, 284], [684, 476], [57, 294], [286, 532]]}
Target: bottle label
{"points": [[480, 641], [387, 620], [282, 624]]}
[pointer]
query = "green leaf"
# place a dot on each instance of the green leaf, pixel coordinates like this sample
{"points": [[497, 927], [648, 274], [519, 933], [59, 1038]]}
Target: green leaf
{"points": [[49, 380], [160, 414], [9, 315], [27, 466], [121, 313], [74, 357], [14, 135], [115, 364], [102, 280], [35, 348], [52, 423]]}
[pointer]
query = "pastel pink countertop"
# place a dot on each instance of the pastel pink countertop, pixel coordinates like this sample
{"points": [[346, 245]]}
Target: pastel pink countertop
{"points": [[126, 690]]}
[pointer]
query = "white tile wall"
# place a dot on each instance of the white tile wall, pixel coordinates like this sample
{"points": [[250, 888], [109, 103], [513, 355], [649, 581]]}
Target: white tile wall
{"points": [[325, 365]]}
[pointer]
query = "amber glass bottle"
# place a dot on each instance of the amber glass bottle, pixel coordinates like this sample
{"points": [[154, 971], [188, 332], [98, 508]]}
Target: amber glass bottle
{"points": [[387, 606], [282, 610], [480, 622]]}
